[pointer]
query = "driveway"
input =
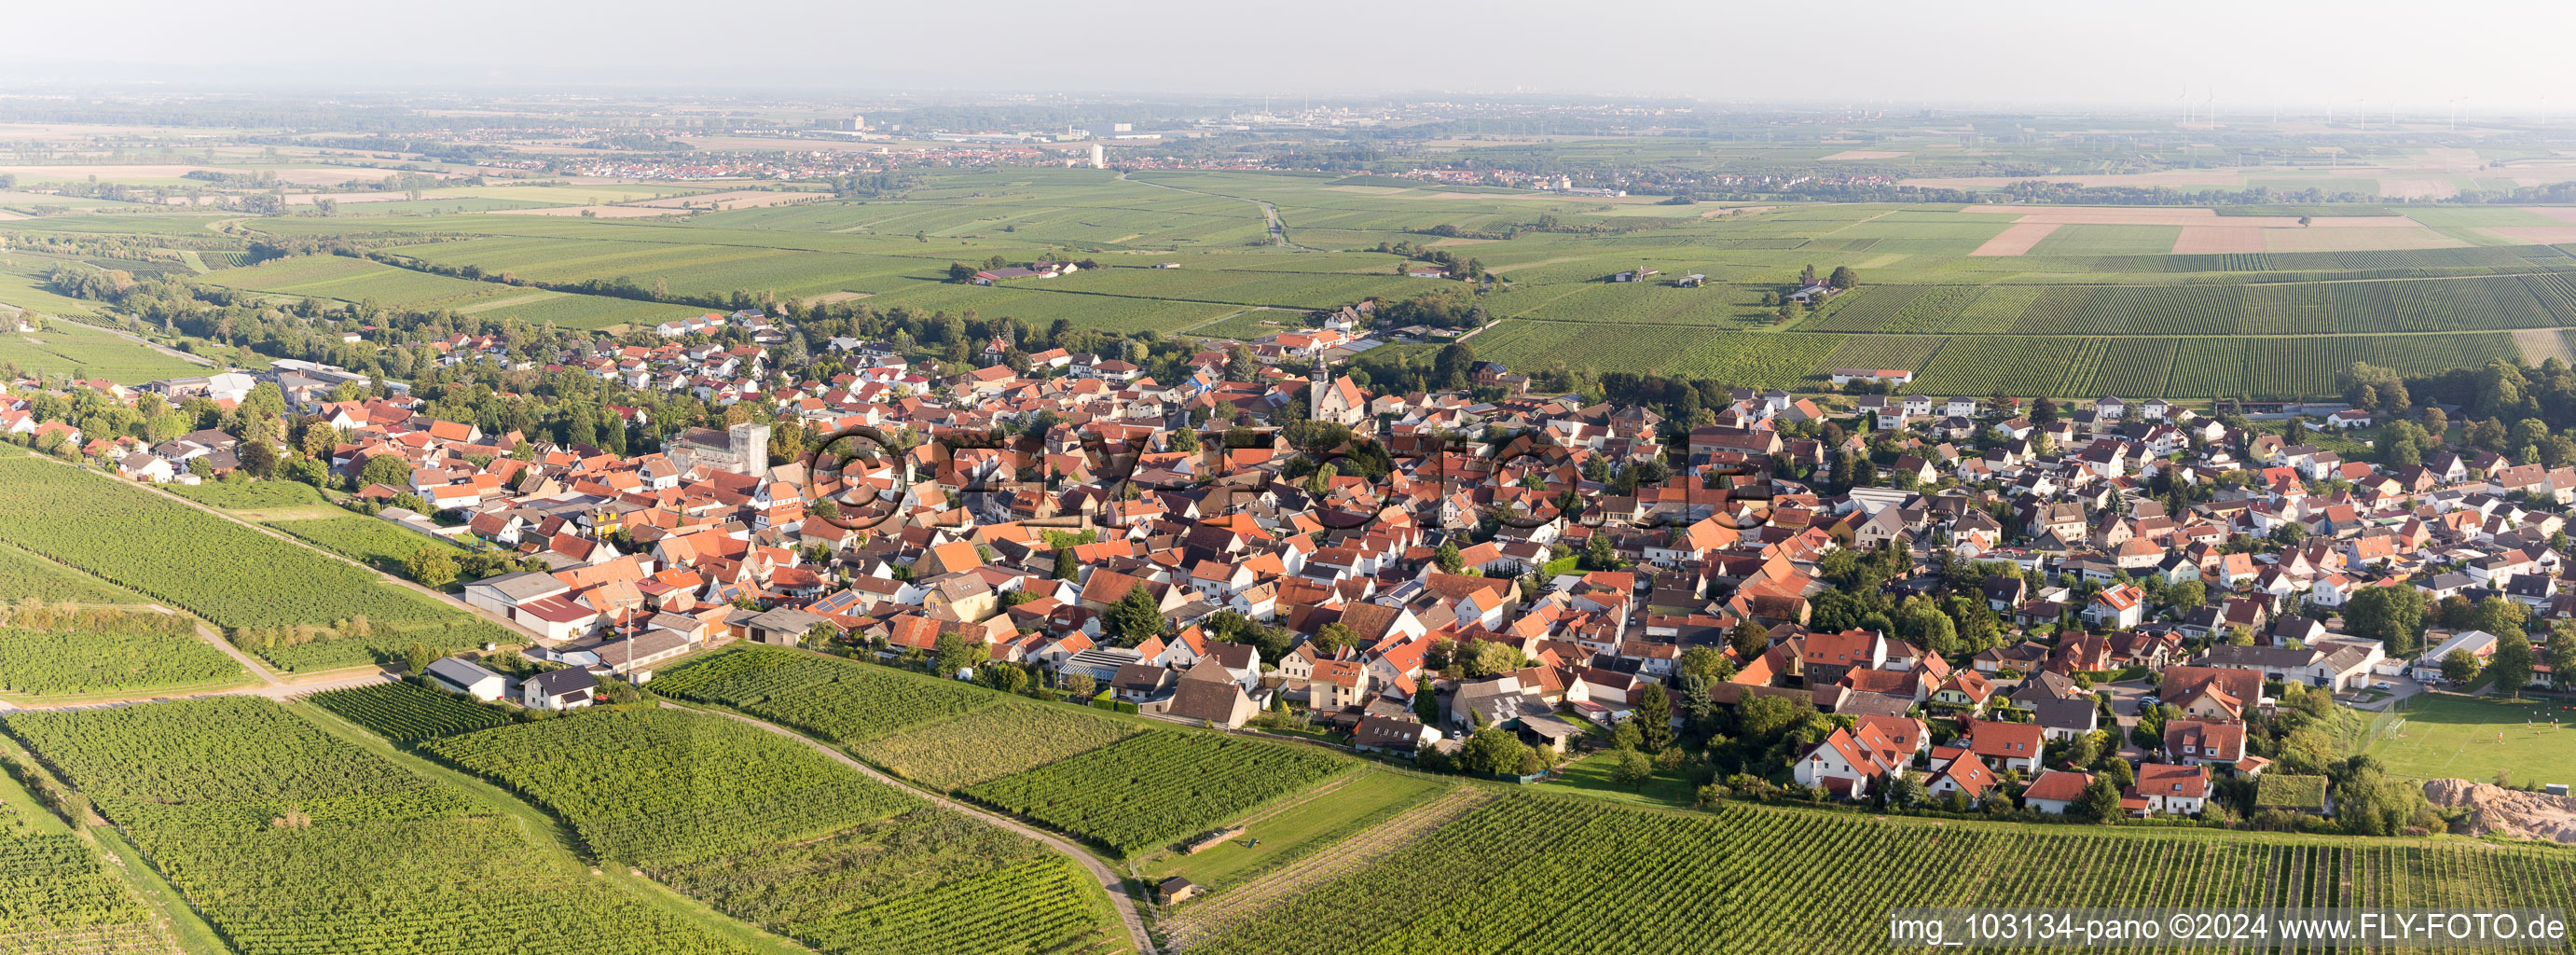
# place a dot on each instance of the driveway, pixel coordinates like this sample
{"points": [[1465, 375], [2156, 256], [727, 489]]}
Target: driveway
{"points": [[2124, 704], [2399, 688]]}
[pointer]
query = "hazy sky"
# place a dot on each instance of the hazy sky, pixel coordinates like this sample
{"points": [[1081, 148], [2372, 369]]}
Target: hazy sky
{"points": [[2299, 54]]}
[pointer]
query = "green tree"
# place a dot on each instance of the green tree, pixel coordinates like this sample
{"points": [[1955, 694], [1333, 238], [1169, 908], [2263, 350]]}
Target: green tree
{"points": [[1066, 568], [2392, 615], [2100, 802], [2562, 651], [953, 653], [1766, 718], [1654, 716], [1426, 704], [1701, 663], [1447, 557], [259, 458], [1493, 751], [1749, 640], [1077, 685], [1134, 617], [417, 658], [386, 469], [2460, 666], [1489, 658], [1006, 677], [1632, 769], [2507, 619], [2512, 662], [2187, 596], [431, 567], [1334, 636]]}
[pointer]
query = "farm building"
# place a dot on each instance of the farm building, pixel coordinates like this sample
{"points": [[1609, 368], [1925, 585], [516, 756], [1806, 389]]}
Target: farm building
{"points": [[990, 276], [1845, 376], [469, 678]]}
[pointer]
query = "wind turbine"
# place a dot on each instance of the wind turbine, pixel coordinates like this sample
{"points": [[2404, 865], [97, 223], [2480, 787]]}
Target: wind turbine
{"points": [[2361, 107], [2209, 114]]}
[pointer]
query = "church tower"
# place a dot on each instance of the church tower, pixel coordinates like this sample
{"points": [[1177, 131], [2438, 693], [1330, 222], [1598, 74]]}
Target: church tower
{"points": [[1319, 382]]}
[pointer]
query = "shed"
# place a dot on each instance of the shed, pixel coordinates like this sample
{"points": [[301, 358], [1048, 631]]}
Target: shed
{"points": [[469, 678]]}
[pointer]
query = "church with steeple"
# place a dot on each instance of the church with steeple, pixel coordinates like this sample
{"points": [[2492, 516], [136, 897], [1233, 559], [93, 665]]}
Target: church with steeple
{"points": [[1333, 399]]}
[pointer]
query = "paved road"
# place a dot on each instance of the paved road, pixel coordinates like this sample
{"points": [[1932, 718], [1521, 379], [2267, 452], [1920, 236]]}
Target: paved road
{"points": [[269, 685], [272, 689], [1108, 878], [266, 677]]}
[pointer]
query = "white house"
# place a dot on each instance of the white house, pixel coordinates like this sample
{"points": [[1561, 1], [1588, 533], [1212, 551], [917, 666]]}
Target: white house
{"points": [[558, 689], [1845, 765], [2172, 790], [469, 678], [2055, 790]]}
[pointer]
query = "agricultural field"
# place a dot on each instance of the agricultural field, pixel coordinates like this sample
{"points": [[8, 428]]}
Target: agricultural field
{"points": [[2450, 737], [248, 495], [1499, 878], [2042, 280], [376, 543], [276, 831], [843, 701], [928, 880], [359, 280], [25, 576], [24, 287], [957, 752], [768, 830], [1295, 831], [353, 280], [405, 712], [657, 787], [57, 895], [54, 653], [1753, 360], [293, 606], [1158, 787], [65, 348]]}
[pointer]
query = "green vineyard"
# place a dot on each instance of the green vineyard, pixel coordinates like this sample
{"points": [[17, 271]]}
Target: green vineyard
{"points": [[841, 700], [1749, 880], [408, 712], [1158, 787], [222, 571], [657, 787], [768, 830], [280, 833]]}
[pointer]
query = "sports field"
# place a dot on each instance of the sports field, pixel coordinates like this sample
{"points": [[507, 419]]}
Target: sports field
{"points": [[2445, 737]]}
